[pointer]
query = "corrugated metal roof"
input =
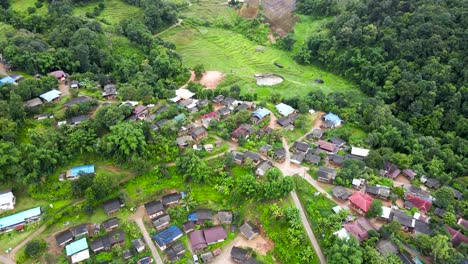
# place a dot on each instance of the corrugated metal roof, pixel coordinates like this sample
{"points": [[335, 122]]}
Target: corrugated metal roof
{"points": [[86, 169], [50, 95], [284, 109], [76, 247], [336, 120], [20, 217], [261, 113], [7, 79]]}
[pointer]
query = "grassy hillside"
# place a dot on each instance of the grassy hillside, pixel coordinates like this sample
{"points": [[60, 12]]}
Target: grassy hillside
{"points": [[23, 5], [236, 56], [113, 13]]}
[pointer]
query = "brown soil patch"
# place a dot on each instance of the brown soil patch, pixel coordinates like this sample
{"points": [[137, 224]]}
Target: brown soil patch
{"points": [[211, 79], [250, 9], [54, 249], [271, 38], [279, 14]]}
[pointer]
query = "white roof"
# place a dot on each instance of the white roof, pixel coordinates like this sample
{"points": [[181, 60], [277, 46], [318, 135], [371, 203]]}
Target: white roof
{"points": [[416, 215], [342, 233], [357, 182], [175, 99], [284, 109], [6, 198], [337, 209], [386, 212], [184, 93], [192, 105], [359, 152], [80, 256], [50, 95], [61, 123], [132, 103]]}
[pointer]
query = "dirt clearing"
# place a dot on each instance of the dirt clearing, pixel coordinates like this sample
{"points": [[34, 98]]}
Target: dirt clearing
{"points": [[211, 79], [279, 14], [259, 244]]}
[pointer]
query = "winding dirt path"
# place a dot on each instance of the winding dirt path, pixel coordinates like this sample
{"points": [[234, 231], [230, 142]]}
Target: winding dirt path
{"points": [[138, 217]]}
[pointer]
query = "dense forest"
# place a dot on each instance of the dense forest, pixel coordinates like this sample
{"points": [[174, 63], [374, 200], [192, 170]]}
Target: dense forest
{"points": [[409, 57]]}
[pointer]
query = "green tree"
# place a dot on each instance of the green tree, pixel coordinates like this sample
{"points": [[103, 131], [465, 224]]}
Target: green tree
{"points": [[192, 167], [375, 208], [344, 252], [35, 248], [199, 69], [103, 187], [444, 197], [126, 141]]}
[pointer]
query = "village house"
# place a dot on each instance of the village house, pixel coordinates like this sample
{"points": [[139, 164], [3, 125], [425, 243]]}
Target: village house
{"points": [[145, 260], [7, 200], [341, 193], [417, 202], [263, 167], [110, 224], [311, 158], [77, 100], [64, 238], [406, 221], [198, 133], [175, 251], [140, 111], [75, 172], [378, 191], [200, 216], [432, 183], [218, 99], [112, 206], [298, 157], [74, 84], [188, 226], [77, 251], [239, 255], [279, 154], [110, 91], [126, 254], [225, 217], [390, 170], [327, 146], [288, 122], [243, 131], [80, 230], [107, 241], [325, 174], [265, 149], [360, 202], [50, 96], [284, 109], [17, 77], [76, 120], [358, 183], [331, 120], [462, 222], [249, 230], [301, 146], [201, 239], [59, 75], [238, 157], [154, 208], [172, 198], [317, 133], [456, 236], [338, 142], [254, 157], [259, 114], [359, 152], [167, 236], [409, 174], [228, 102], [206, 256], [161, 222], [7, 79], [208, 147], [417, 191], [182, 94], [206, 118], [184, 141], [359, 228], [223, 112], [33, 103], [336, 159]]}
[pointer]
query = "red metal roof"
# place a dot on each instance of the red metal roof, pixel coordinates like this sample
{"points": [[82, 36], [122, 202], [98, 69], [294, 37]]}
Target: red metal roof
{"points": [[361, 200], [420, 203], [457, 236], [214, 234], [328, 146], [210, 115], [359, 228]]}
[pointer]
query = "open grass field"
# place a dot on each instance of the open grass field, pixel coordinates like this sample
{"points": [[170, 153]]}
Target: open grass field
{"points": [[23, 5], [113, 13], [208, 10], [236, 56]]}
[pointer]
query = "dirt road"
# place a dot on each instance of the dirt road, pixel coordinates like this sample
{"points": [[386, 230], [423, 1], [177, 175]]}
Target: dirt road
{"points": [[15, 250], [6, 260], [138, 217], [307, 228]]}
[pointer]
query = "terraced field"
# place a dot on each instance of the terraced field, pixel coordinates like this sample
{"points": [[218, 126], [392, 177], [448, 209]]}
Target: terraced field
{"points": [[23, 5], [113, 13], [236, 56]]}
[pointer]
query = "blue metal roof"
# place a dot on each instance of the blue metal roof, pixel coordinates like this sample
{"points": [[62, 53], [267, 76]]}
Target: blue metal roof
{"points": [[7, 79], [19, 218], [261, 113], [180, 117], [336, 120], [167, 235], [76, 247], [192, 217], [86, 169]]}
